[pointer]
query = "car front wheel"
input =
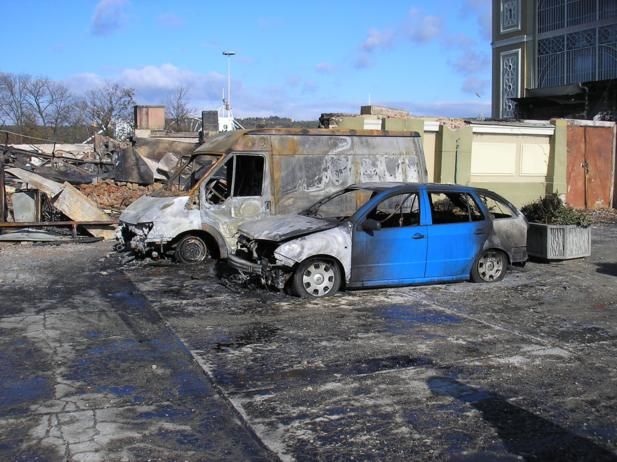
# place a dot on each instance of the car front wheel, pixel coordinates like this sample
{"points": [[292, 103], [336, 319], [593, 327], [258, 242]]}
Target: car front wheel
{"points": [[317, 277], [191, 249], [490, 266]]}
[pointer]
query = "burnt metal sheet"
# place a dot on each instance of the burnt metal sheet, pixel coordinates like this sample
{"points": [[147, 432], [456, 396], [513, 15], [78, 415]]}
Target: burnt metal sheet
{"points": [[140, 161], [33, 235], [280, 228], [131, 167], [49, 187], [221, 143], [69, 201]]}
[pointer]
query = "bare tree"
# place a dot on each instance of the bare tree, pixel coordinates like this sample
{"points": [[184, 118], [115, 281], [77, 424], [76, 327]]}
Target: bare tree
{"points": [[78, 116], [39, 98], [178, 109], [14, 105], [109, 104], [62, 106]]}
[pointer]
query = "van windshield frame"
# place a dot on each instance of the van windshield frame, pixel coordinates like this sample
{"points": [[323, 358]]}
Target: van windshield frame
{"points": [[192, 170]]}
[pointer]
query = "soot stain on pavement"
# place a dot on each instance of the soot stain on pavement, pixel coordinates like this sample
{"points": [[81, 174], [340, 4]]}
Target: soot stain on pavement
{"points": [[258, 333], [26, 374], [522, 432]]}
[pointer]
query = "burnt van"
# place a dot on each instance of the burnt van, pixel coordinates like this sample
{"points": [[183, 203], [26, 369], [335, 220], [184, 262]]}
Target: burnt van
{"points": [[245, 175]]}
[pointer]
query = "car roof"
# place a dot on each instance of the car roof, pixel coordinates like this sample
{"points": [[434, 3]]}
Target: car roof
{"points": [[383, 186]]}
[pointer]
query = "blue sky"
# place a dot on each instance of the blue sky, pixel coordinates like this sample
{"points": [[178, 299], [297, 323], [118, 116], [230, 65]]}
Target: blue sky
{"points": [[294, 58]]}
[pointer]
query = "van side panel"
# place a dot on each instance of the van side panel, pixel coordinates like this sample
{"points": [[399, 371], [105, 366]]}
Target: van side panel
{"points": [[306, 168]]}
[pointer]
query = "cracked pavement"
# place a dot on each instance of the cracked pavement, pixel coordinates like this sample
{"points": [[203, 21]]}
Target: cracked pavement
{"points": [[89, 371], [168, 362]]}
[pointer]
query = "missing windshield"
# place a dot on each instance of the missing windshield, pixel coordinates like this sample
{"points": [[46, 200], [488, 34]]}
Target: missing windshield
{"points": [[190, 170], [340, 205]]}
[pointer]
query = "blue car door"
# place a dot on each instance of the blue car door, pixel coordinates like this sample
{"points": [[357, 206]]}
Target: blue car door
{"points": [[396, 253], [456, 235]]}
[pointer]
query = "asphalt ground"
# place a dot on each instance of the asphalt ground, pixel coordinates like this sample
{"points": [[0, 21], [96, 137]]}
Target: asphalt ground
{"points": [[103, 360]]}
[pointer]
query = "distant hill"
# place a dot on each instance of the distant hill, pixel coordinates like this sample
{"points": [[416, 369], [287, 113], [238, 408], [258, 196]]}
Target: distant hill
{"points": [[276, 122]]}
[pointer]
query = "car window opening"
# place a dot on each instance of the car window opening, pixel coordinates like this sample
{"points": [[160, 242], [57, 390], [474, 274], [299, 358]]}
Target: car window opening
{"points": [[497, 208], [189, 171], [397, 211], [447, 208], [249, 176], [340, 205], [245, 173]]}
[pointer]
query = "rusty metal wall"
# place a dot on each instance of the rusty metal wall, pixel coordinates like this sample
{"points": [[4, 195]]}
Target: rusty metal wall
{"points": [[590, 171]]}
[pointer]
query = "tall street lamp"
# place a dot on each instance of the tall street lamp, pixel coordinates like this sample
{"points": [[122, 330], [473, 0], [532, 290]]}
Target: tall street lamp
{"points": [[229, 54]]}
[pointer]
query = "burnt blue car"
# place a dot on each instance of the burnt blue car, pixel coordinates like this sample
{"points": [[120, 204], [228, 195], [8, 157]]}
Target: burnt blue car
{"points": [[385, 234]]}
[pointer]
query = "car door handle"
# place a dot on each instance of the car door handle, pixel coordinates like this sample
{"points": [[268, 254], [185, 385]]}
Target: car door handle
{"points": [[480, 232], [418, 236]]}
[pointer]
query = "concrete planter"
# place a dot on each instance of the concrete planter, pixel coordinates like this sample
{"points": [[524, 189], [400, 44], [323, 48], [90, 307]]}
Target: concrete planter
{"points": [[558, 242]]}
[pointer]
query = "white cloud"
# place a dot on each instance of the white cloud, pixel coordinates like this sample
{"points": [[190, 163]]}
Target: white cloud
{"points": [[378, 39], [482, 10], [165, 76], [153, 84], [416, 27], [109, 16], [80, 83], [311, 110], [455, 109], [475, 86], [422, 28], [471, 62], [296, 98]]}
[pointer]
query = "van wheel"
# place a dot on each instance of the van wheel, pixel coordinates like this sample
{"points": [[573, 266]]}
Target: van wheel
{"points": [[490, 266], [191, 249], [317, 277]]}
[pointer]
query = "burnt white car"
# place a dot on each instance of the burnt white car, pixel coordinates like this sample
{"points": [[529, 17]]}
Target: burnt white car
{"points": [[385, 234]]}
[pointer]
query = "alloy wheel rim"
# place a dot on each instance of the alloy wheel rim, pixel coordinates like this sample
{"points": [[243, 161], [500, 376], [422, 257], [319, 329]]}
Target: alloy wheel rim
{"points": [[490, 266], [318, 278]]}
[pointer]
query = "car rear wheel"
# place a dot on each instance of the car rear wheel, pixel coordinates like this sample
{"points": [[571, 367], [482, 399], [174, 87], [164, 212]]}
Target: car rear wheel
{"points": [[191, 249], [491, 266], [317, 277]]}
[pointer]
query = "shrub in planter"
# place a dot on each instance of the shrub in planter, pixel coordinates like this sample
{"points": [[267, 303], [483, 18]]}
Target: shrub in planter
{"points": [[556, 231]]}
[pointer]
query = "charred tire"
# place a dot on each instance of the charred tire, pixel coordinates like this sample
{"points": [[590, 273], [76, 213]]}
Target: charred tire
{"points": [[191, 249], [316, 277], [490, 266]]}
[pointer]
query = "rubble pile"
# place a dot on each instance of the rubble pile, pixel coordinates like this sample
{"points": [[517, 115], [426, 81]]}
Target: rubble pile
{"points": [[114, 195], [50, 187], [382, 111]]}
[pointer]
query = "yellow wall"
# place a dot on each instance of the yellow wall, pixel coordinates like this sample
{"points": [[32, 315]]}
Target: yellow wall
{"points": [[509, 158]]}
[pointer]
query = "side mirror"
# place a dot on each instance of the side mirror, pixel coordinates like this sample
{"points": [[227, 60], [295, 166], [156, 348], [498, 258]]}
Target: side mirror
{"points": [[371, 225]]}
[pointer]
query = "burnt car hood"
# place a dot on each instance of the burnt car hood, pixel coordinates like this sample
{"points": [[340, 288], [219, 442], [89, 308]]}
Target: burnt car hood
{"points": [[148, 209], [285, 227]]}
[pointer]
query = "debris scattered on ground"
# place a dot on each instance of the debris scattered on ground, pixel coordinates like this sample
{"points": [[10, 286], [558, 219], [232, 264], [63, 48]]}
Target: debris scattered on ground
{"points": [[81, 186], [41, 235], [606, 215], [67, 199]]}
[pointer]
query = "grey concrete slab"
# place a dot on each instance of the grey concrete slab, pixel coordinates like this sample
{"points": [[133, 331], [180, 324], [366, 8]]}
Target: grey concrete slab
{"points": [[89, 371], [101, 361], [522, 368]]}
